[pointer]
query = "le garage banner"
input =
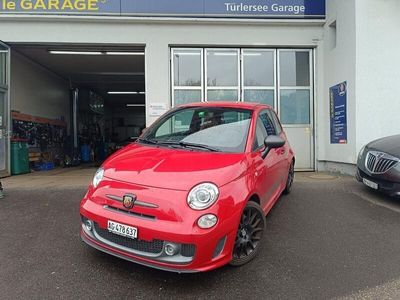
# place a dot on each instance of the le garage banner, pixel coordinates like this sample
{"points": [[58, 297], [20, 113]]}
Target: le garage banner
{"points": [[263, 9]]}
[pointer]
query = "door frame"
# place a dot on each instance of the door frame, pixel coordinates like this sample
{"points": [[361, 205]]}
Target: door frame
{"points": [[310, 88], [7, 109]]}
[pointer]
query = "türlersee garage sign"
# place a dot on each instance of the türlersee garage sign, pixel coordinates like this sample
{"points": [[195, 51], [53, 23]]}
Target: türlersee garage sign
{"points": [[171, 8]]}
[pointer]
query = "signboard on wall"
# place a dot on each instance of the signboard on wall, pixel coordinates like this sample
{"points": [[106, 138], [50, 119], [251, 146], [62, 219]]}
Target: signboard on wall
{"points": [[338, 113], [302, 9], [157, 109]]}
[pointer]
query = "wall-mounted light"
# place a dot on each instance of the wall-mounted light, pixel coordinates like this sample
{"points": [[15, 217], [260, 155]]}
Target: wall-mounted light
{"points": [[71, 52], [62, 52], [135, 105], [123, 53], [125, 93]]}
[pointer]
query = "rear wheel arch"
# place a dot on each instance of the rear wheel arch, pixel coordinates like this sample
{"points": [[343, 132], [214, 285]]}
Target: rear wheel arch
{"points": [[255, 198]]}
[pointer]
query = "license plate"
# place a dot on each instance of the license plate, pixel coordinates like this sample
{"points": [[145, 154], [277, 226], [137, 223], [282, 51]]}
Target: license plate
{"points": [[123, 230], [370, 183]]}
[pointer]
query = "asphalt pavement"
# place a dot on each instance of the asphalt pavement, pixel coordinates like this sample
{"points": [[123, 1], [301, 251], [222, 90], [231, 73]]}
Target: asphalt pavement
{"points": [[330, 238]]}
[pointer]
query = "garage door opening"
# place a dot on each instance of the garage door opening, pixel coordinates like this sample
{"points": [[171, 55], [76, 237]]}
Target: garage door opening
{"points": [[76, 104]]}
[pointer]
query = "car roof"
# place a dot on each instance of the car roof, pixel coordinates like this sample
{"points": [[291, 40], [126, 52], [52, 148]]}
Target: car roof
{"points": [[228, 104]]}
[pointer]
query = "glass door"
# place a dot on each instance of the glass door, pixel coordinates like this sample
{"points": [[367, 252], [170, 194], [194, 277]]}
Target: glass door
{"points": [[295, 103], [4, 110]]}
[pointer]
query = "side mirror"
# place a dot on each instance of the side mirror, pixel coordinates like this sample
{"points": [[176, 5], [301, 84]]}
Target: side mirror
{"points": [[272, 142]]}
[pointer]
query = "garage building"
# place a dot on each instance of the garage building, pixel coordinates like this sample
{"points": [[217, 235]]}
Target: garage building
{"points": [[79, 79]]}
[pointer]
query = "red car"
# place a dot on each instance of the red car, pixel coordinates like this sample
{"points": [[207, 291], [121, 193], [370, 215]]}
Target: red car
{"points": [[191, 194]]}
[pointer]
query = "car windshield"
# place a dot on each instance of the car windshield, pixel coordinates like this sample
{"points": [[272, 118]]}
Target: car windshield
{"points": [[215, 129]]}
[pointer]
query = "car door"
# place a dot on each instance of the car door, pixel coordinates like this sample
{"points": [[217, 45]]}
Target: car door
{"points": [[266, 171], [283, 152]]}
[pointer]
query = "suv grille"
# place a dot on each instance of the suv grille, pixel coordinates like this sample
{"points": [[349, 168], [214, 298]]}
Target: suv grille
{"points": [[379, 163]]}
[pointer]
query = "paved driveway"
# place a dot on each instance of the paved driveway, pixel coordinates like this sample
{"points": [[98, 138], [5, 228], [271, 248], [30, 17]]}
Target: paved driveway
{"points": [[330, 238]]}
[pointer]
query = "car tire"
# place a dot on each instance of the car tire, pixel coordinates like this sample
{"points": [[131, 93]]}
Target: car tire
{"points": [[249, 235], [290, 179]]}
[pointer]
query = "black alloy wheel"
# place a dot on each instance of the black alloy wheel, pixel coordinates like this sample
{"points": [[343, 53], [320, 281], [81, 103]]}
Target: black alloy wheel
{"points": [[249, 234], [289, 182]]}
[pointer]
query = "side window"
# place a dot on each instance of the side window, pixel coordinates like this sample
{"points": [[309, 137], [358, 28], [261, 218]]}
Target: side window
{"points": [[276, 122], [261, 134], [267, 122]]}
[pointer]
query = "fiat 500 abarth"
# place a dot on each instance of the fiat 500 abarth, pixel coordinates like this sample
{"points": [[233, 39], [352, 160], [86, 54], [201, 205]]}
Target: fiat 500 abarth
{"points": [[191, 194]]}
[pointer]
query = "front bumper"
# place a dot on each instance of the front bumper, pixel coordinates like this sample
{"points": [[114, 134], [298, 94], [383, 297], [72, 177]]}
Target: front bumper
{"points": [[199, 249], [391, 188], [120, 254]]}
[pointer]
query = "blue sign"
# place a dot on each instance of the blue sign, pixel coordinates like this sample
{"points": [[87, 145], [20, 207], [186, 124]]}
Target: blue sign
{"points": [[338, 112], [172, 8]]}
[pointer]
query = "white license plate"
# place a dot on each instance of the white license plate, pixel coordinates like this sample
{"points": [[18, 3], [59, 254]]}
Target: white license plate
{"points": [[121, 229], [370, 183]]}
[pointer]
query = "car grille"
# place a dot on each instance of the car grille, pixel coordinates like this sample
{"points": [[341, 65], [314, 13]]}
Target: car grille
{"points": [[187, 250], [154, 247], [379, 163]]}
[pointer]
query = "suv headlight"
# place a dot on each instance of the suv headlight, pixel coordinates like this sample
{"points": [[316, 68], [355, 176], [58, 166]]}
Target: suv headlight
{"points": [[361, 153], [202, 196], [98, 177]]}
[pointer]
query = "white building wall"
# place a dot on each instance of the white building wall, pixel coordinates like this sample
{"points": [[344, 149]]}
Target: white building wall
{"points": [[378, 69], [36, 91], [158, 36], [339, 65]]}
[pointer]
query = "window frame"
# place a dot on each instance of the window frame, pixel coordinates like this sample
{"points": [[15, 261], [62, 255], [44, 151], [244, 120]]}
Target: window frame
{"points": [[245, 88], [309, 88], [254, 147], [186, 88], [276, 122], [229, 88], [267, 112]]}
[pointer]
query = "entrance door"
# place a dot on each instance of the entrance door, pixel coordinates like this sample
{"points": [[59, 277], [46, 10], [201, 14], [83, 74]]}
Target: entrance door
{"points": [[295, 103], [4, 111]]}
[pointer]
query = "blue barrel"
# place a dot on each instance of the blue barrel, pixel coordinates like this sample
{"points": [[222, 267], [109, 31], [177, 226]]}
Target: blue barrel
{"points": [[85, 153]]}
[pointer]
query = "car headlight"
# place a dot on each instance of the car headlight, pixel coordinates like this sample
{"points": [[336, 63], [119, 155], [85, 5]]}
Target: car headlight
{"points": [[98, 177], [361, 153], [203, 196]]}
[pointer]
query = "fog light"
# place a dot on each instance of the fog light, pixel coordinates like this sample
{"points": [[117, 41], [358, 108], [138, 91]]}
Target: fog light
{"points": [[89, 225], [171, 249], [207, 221]]}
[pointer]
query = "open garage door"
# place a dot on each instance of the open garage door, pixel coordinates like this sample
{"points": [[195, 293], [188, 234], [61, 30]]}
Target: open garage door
{"points": [[75, 104], [4, 109]]}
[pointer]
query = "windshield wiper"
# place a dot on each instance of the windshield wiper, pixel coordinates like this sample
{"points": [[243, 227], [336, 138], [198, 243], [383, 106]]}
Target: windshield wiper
{"points": [[147, 141], [189, 145]]}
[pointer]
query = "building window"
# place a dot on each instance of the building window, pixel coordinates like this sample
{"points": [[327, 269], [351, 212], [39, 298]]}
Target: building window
{"points": [[281, 78], [258, 76], [295, 87], [222, 73], [187, 76]]}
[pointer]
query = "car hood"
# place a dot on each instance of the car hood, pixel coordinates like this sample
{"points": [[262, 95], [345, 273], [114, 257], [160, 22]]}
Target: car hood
{"points": [[173, 168], [389, 145]]}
